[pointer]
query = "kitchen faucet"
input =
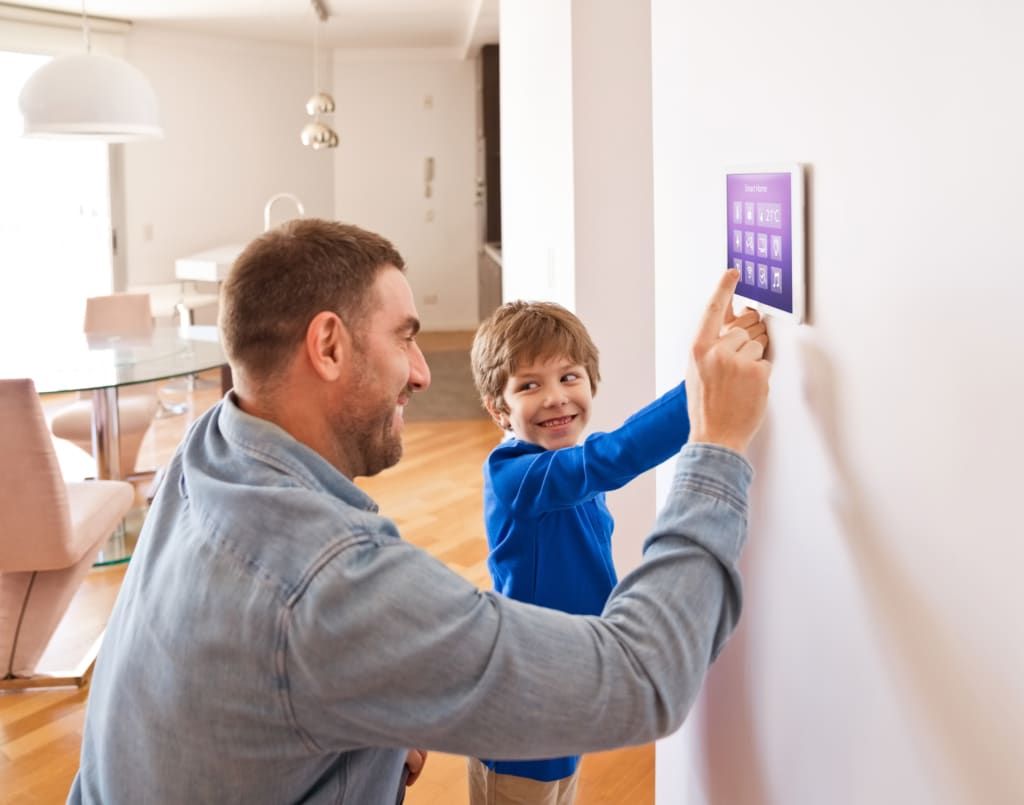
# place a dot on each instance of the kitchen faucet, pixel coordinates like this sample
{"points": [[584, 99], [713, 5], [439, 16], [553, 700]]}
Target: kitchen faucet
{"points": [[270, 203]]}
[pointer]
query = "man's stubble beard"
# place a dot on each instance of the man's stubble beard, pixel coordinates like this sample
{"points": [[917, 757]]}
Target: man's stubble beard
{"points": [[374, 444]]}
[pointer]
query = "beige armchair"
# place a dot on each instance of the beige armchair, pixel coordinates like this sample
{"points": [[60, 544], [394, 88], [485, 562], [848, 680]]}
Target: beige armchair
{"points": [[50, 534], [123, 314]]}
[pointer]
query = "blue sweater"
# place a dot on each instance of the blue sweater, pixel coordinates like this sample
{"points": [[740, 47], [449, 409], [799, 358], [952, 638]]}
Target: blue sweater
{"points": [[549, 530]]}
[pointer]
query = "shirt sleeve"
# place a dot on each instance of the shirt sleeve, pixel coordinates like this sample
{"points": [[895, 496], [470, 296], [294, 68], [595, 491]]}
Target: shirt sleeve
{"points": [[387, 647], [532, 481]]}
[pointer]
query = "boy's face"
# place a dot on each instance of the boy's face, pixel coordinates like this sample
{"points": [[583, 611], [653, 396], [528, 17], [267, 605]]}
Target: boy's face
{"points": [[548, 403]]}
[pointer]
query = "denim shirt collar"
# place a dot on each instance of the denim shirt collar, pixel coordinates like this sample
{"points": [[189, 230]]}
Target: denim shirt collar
{"points": [[269, 444]]}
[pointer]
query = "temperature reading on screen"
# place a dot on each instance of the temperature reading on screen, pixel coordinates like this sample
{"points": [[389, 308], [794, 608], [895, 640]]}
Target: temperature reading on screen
{"points": [[769, 215]]}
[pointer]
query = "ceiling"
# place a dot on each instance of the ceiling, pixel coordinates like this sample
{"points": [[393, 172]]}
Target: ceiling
{"points": [[457, 25]]}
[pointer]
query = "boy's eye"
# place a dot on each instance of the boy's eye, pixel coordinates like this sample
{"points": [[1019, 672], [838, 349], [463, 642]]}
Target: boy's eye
{"points": [[569, 378], [529, 384]]}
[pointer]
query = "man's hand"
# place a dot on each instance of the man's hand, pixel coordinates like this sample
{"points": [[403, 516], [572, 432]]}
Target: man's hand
{"points": [[727, 379], [415, 761]]}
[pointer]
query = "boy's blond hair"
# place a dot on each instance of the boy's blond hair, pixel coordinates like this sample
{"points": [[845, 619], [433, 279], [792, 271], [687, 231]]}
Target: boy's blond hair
{"points": [[519, 333]]}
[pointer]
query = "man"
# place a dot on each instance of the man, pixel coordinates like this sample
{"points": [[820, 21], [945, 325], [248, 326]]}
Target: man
{"points": [[276, 641]]}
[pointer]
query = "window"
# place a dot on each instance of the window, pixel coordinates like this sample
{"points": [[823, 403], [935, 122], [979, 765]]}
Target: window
{"points": [[55, 221]]}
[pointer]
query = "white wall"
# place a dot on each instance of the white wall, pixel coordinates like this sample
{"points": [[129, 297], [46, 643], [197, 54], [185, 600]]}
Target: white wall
{"points": [[577, 210], [392, 115], [881, 651], [614, 218], [232, 112], [537, 197]]}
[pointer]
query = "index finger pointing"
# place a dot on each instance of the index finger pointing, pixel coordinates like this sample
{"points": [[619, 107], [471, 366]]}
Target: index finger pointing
{"points": [[721, 301]]}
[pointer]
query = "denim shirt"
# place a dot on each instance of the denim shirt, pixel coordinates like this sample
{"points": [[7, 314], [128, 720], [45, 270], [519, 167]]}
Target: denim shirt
{"points": [[276, 641]]}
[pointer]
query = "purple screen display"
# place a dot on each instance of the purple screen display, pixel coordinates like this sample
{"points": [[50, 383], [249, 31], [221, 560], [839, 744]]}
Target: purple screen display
{"points": [[758, 210]]}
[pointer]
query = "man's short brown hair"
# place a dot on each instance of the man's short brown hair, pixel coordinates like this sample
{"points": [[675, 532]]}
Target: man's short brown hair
{"points": [[288, 275], [519, 333]]}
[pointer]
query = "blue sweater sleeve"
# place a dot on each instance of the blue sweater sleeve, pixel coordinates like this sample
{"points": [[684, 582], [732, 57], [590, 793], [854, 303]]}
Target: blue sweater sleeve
{"points": [[530, 480]]}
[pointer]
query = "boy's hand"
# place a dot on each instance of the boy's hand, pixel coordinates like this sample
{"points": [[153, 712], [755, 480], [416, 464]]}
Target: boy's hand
{"points": [[727, 379], [749, 320], [415, 761]]}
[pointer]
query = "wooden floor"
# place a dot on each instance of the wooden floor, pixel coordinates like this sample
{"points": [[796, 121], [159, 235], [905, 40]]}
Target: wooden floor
{"points": [[433, 495]]}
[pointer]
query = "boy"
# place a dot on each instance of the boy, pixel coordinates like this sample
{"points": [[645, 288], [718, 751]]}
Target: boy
{"points": [[548, 527]]}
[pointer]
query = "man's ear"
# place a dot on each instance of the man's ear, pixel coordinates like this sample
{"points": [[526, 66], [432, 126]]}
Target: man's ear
{"points": [[328, 345], [500, 419]]}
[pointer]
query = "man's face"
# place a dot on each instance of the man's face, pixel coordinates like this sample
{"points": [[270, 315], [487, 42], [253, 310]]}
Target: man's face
{"points": [[548, 402], [387, 368]]}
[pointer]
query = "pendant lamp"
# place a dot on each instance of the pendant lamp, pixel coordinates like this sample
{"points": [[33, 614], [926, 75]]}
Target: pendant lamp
{"points": [[318, 134], [89, 96]]}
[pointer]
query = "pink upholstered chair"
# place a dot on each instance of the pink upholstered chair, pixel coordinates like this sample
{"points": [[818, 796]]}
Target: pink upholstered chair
{"points": [[123, 314], [50, 534]]}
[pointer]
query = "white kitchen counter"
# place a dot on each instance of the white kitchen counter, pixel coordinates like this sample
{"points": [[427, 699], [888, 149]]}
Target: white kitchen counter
{"points": [[209, 266]]}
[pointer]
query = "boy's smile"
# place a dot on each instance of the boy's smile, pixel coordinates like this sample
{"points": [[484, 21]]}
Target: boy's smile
{"points": [[548, 403]]}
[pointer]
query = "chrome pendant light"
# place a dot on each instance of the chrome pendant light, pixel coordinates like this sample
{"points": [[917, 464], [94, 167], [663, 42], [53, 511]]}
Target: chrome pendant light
{"points": [[320, 104], [89, 96], [318, 134]]}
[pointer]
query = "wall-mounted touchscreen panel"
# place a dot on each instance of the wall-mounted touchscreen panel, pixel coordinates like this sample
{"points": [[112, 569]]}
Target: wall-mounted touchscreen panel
{"points": [[765, 236]]}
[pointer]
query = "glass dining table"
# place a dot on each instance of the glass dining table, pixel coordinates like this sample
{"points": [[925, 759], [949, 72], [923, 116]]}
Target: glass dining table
{"points": [[102, 365]]}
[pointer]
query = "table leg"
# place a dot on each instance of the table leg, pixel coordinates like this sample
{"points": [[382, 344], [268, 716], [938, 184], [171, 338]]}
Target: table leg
{"points": [[106, 441], [106, 447]]}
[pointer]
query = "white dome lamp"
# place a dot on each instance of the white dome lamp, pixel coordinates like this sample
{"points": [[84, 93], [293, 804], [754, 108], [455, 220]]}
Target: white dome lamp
{"points": [[89, 96]]}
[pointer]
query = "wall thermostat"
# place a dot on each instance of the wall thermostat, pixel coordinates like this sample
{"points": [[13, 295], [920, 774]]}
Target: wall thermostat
{"points": [[765, 215]]}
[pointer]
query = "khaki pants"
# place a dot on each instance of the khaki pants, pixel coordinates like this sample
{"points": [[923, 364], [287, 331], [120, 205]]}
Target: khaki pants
{"points": [[488, 788]]}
